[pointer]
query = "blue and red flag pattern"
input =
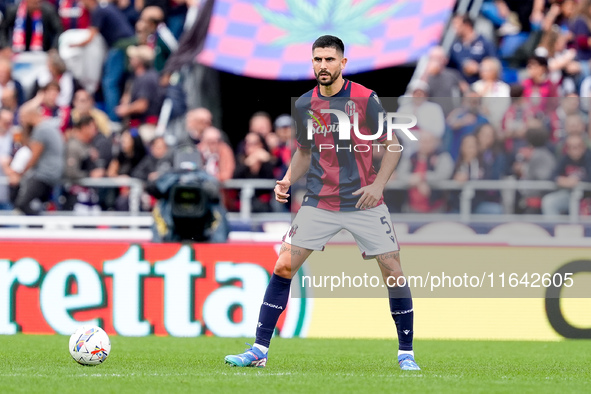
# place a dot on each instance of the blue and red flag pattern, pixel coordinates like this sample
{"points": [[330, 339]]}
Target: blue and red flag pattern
{"points": [[272, 39]]}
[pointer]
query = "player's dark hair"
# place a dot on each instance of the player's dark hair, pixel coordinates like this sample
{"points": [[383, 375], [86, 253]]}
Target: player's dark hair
{"points": [[329, 42]]}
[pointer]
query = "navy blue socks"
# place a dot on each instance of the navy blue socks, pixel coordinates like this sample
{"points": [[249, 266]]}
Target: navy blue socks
{"points": [[403, 315], [277, 295], [274, 304]]}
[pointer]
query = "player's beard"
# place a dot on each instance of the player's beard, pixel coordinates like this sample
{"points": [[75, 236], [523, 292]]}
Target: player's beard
{"points": [[333, 77]]}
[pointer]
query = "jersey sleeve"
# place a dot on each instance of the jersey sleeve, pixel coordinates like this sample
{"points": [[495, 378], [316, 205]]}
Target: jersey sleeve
{"points": [[374, 108], [300, 117]]}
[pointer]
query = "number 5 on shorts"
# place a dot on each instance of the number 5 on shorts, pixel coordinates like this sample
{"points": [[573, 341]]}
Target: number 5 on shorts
{"points": [[385, 221]]}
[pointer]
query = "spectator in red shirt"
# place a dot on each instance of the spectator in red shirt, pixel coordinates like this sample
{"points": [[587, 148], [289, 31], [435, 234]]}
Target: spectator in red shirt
{"points": [[562, 64], [428, 164], [73, 14], [574, 168], [538, 87], [516, 119], [50, 108]]}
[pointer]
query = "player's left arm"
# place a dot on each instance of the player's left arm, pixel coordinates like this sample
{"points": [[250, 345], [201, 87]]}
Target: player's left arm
{"points": [[371, 194]]}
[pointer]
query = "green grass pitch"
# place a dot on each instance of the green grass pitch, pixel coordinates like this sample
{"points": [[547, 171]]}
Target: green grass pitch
{"points": [[31, 363]]}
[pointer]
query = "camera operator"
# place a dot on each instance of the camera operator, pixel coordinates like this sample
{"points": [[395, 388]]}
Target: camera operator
{"points": [[188, 206]]}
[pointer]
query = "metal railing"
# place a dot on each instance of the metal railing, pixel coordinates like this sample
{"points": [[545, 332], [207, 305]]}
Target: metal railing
{"points": [[248, 187], [136, 187], [468, 191]]}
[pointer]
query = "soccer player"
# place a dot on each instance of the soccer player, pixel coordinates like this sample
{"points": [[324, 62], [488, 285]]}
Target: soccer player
{"points": [[343, 191]]}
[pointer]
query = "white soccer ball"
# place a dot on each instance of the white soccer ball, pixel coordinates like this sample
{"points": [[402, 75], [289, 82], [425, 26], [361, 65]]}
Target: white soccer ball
{"points": [[90, 345]]}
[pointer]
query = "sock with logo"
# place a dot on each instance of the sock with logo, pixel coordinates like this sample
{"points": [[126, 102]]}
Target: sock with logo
{"points": [[403, 315], [274, 304]]}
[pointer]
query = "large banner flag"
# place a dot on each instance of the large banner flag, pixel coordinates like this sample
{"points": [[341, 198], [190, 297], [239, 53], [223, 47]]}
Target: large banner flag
{"points": [[272, 39]]}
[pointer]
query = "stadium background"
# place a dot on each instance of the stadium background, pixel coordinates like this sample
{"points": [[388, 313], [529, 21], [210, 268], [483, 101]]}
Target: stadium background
{"points": [[43, 260], [251, 94]]}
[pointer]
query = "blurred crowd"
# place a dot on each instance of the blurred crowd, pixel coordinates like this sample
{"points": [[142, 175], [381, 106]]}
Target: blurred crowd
{"points": [[508, 100], [89, 99]]}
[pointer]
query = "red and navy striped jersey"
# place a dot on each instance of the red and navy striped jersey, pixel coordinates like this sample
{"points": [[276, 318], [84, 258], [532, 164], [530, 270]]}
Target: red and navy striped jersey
{"points": [[338, 167]]}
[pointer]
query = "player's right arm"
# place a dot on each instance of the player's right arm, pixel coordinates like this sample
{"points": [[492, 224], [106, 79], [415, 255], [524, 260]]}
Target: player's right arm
{"points": [[300, 163]]}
